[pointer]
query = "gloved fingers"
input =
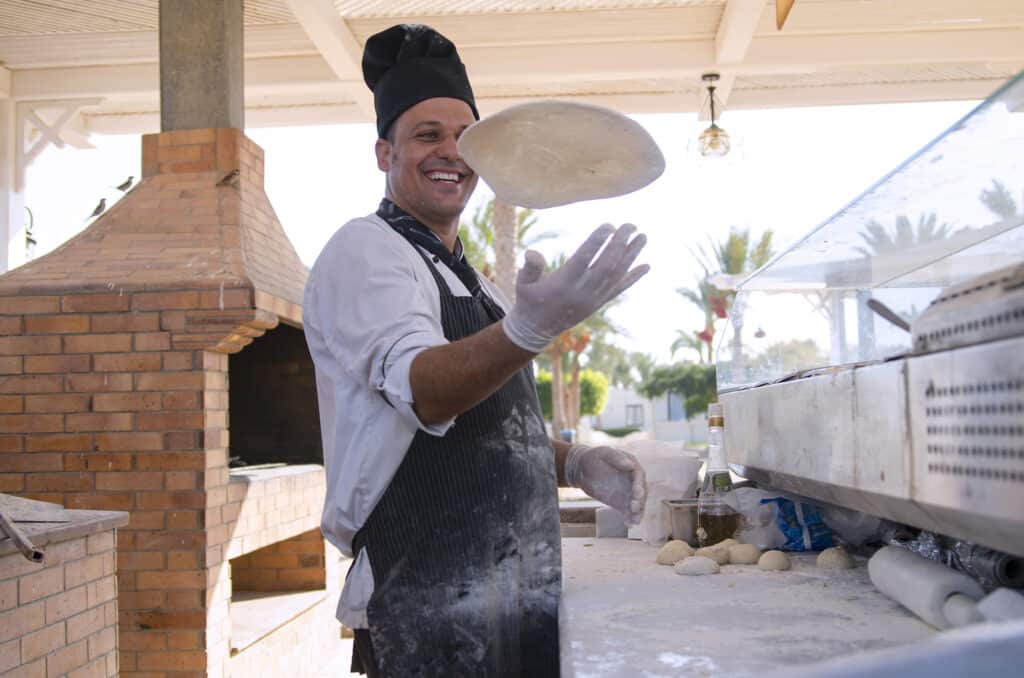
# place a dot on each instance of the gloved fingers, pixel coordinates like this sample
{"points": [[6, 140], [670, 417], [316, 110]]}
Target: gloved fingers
{"points": [[578, 263], [628, 281], [632, 251], [533, 268], [618, 459], [611, 255]]}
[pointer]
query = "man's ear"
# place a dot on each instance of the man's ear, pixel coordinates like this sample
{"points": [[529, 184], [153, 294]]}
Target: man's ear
{"points": [[383, 150]]}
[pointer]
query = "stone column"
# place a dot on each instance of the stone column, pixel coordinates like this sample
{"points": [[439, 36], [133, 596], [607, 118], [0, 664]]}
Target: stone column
{"points": [[201, 83]]}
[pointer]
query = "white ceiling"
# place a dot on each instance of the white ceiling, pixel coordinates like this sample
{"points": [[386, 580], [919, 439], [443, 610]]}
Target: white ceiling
{"points": [[302, 56]]}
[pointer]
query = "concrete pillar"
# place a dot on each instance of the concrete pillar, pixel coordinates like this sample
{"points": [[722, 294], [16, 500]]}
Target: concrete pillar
{"points": [[201, 64], [12, 196]]}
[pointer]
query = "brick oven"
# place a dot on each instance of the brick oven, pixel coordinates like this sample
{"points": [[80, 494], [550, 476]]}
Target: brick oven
{"points": [[135, 361]]}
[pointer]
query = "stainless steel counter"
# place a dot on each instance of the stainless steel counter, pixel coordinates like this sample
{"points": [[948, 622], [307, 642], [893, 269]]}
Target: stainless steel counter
{"points": [[623, 615]]}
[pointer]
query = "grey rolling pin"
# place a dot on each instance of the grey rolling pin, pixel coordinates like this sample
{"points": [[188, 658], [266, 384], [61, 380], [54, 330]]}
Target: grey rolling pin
{"points": [[937, 594]]}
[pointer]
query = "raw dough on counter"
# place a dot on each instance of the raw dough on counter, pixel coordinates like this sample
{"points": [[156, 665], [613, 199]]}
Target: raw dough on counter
{"points": [[773, 560], [696, 565], [835, 559], [674, 551], [719, 555], [744, 554]]}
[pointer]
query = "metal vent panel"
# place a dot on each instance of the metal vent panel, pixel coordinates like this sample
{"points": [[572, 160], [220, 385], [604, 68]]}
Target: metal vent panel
{"points": [[967, 423]]}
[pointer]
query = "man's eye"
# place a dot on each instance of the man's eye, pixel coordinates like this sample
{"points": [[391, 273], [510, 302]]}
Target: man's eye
{"points": [[428, 135]]}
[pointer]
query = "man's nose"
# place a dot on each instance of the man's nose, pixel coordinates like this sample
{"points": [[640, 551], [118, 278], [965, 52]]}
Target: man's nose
{"points": [[448, 149]]}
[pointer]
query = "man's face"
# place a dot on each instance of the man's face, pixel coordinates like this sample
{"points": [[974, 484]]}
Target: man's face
{"points": [[425, 174]]}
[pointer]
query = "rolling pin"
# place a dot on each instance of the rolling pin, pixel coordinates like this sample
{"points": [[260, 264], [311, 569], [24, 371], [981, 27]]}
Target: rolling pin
{"points": [[937, 594]]}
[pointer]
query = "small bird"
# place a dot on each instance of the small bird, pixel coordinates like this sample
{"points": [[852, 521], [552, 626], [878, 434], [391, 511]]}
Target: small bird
{"points": [[100, 207], [231, 178], [126, 184]]}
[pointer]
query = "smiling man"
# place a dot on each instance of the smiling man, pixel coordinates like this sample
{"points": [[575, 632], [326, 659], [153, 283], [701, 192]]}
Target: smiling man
{"points": [[441, 480]]}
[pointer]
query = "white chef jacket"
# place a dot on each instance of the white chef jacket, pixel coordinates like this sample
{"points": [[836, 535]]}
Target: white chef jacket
{"points": [[371, 305]]}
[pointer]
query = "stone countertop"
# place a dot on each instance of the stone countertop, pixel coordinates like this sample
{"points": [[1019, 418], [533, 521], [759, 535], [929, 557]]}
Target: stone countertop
{"points": [[80, 523], [624, 615]]}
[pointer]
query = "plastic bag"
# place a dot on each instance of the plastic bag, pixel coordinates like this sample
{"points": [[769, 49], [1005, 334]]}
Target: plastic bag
{"points": [[671, 474], [776, 520]]}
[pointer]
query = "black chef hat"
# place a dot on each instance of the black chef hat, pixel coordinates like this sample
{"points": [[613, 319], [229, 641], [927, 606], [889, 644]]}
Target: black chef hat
{"points": [[409, 63]]}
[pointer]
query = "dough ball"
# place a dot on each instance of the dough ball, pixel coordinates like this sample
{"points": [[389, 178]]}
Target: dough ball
{"points": [[674, 551], [835, 559], [720, 556], [744, 554], [724, 544], [696, 565], [773, 560]]}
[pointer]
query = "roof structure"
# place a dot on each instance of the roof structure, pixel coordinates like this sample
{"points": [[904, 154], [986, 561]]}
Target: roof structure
{"points": [[637, 56]]}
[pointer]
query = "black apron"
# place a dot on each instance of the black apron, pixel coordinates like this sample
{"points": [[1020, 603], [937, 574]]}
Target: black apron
{"points": [[464, 544]]}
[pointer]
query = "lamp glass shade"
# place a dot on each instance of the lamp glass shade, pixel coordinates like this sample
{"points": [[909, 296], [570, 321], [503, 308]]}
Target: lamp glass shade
{"points": [[714, 142]]}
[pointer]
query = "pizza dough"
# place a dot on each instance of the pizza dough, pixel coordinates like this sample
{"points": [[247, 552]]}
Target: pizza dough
{"points": [[773, 560], [674, 551], [744, 554], [548, 153], [719, 555], [835, 559], [697, 565]]}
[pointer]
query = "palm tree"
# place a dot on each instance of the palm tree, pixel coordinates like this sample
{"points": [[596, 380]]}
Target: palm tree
{"points": [[689, 340], [1000, 202], [482, 239], [877, 238]]}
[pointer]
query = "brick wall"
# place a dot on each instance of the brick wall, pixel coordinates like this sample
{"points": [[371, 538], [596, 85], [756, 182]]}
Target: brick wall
{"points": [[59, 618], [295, 564]]}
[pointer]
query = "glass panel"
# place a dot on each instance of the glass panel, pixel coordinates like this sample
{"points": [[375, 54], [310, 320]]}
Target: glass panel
{"points": [[953, 211]]}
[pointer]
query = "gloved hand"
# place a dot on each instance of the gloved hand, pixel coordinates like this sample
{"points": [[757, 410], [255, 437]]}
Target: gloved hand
{"points": [[547, 305], [609, 475]]}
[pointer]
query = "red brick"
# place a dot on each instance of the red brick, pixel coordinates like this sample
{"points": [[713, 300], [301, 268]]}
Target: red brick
{"points": [[161, 619], [42, 642], [32, 462], [12, 482], [172, 320], [126, 322], [101, 590], [62, 323], [10, 443], [172, 500], [32, 384], [152, 480], [101, 421], [126, 402], [57, 403], [67, 481], [10, 324], [215, 361], [182, 400], [102, 667], [11, 364], [139, 600], [11, 404], [90, 303], [183, 520], [58, 364], [40, 584], [173, 381], [184, 600], [100, 501], [168, 539], [127, 362], [147, 520], [238, 297], [178, 360], [183, 640], [26, 345], [159, 301], [96, 462], [26, 303], [129, 441], [153, 341], [31, 423], [165, 421], [95, 383], [181, 460], [59, 442], [143, 640], [180, 480], [140, 560], [97, 343], [66, 659]]}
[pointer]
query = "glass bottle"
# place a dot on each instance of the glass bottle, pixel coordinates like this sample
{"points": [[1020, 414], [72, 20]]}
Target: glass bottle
{"points": [[716, 520]]}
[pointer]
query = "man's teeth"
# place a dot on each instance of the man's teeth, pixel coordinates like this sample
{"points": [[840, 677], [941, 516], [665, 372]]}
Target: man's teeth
{"points": [[443, 176]]}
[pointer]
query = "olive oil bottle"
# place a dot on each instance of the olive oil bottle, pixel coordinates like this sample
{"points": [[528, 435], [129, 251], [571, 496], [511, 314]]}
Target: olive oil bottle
{"points": [[716, 519]]}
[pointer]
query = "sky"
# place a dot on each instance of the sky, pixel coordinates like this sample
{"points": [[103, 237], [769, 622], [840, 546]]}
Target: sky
{"points": [[793, 168]]}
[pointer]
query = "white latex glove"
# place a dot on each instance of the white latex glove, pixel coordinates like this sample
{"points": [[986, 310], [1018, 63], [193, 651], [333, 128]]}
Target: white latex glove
{"points": [[609, 475], [547, 305]]}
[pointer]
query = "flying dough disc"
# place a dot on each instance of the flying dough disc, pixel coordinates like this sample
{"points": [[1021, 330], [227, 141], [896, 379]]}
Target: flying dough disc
{"points": [[550, 153]]}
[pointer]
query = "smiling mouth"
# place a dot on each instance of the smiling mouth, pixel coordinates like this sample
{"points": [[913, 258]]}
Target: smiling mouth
{"points": [[440, 177]]}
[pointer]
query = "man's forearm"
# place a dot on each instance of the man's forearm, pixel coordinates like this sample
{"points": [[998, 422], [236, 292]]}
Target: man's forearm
{"points": [[451, 379], [561, 453]]}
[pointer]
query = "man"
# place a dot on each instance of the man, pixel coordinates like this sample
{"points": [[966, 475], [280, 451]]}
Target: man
{"points": [[441, 480]]}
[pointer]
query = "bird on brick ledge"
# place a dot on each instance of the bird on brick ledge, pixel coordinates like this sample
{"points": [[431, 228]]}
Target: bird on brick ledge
{"points": [[126, 184], [229, 179], [100, 207]]}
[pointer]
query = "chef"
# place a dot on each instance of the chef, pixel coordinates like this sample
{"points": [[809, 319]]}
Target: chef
{"points": [[441, 480]]}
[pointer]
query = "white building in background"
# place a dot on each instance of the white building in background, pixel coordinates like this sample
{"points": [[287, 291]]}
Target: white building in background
{"points": [[663, 418]]}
